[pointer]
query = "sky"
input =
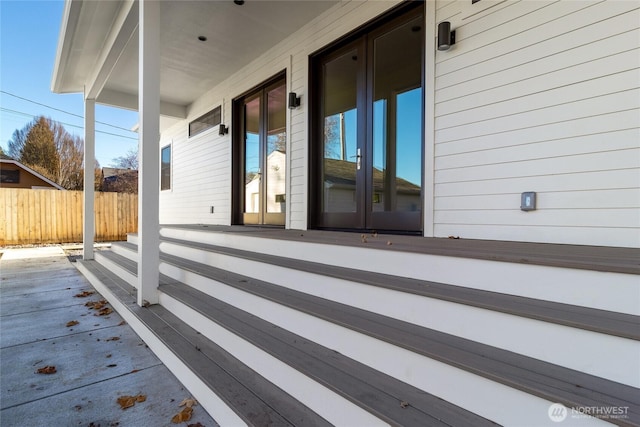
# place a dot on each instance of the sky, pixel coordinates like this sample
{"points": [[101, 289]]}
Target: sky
{"points": [[28, 42]]}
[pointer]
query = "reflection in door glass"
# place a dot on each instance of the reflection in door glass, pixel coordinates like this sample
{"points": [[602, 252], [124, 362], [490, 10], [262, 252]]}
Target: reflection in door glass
{"points": [[252, 156], [408, 150], [379, 155], [340, 134], [276, 149], [397, 119]]}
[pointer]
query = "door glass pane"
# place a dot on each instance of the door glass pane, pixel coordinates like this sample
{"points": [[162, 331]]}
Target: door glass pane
{"points": [[276, 149], [408, 165], [397, 119], [340, 133], [252, 156]]}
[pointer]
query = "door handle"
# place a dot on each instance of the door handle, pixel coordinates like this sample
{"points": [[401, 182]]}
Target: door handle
{"points": [[358, 157]]}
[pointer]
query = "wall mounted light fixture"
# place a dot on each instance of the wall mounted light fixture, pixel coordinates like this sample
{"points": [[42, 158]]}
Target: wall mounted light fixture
{"points": [[294, 100], [446, 37], [222, 129]]}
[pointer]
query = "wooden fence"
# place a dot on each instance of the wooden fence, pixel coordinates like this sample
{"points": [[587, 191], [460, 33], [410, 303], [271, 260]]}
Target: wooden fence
{"points": [[52, 216]]}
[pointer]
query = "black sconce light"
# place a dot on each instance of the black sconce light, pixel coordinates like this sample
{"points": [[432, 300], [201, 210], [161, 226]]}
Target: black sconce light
{"points": [[294, 100], [446, 37], [223, 130]]}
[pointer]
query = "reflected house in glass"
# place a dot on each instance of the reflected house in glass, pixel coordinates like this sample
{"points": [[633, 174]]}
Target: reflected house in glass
{"points": [[340, 188], [275, 200]]}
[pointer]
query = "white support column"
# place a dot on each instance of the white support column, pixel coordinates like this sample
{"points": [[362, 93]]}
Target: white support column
{"points": [[89, 221], [149, 152]]}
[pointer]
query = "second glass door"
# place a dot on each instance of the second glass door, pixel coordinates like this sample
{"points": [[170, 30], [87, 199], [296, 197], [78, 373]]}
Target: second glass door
{"points": [[263, 120]]}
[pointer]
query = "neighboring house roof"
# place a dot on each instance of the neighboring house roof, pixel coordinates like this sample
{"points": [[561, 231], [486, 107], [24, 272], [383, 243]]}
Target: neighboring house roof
{"points": [[343, 172], [109, 172], [8, 160]]}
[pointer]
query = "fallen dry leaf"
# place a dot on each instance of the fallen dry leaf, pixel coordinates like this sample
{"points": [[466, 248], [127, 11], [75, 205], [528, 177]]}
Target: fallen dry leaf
{"points": [[96, 305], [84, 294], [182, 416], [122, 323], [113, 339], [47, 370], [454, 237], [195, 425], [128, 401], [104, 312], [188, 402], [404, 404], [72, 323]]}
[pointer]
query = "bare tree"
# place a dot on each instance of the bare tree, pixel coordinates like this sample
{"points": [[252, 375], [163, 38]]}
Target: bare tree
{"points": [[128, 161], [97, 176], [71, 155], [16, 143], [332, 138]]}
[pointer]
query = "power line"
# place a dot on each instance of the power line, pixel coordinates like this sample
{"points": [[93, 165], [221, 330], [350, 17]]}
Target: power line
{"points": [[68, 124], [62, 111]]}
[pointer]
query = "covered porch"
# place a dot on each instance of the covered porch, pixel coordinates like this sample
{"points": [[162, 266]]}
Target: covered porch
{"points": [[159, 57], [297, 325]]}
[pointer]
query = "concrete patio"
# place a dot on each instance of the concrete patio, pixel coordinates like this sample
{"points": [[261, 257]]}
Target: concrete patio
{"points": [[97, 360]]}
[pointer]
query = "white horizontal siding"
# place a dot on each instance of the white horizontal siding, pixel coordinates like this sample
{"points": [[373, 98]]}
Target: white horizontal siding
{"points": [[539, 96], [200, 177], [598, 180], [585, 199], [610, 160], [583, 144], [603, 236], [606, 124]]}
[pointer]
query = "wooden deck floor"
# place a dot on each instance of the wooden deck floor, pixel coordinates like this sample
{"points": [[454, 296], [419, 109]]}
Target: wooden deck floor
{"points": [[599, 258]]}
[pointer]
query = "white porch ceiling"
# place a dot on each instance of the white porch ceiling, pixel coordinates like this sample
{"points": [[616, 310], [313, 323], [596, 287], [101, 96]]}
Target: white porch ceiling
{"points": [[98, 46]]}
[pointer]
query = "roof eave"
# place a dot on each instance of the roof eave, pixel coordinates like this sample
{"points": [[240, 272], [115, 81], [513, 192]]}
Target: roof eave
{"points": [[70, 17]]}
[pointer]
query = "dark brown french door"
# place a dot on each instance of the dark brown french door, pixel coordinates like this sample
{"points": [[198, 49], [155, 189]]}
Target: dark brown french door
{"points": [[260, 154], [368, 129]]}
